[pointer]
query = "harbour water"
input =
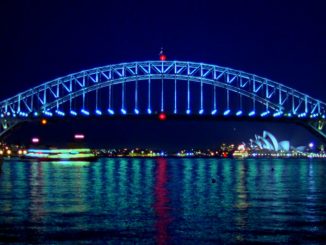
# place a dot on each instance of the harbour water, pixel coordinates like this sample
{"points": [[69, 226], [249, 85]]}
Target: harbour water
{"points": [[164, 201]]}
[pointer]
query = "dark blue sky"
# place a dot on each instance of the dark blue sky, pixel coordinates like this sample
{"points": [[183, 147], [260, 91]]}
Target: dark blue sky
{"points": [[281, 40]]}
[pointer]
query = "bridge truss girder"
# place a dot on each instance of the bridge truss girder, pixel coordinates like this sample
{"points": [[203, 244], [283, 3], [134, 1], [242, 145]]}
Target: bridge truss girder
{"points": [[266, 91], [51, 95]]}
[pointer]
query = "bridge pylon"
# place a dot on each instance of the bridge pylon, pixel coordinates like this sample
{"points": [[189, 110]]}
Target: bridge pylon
{"points": [[318, 128], [8, 124]]}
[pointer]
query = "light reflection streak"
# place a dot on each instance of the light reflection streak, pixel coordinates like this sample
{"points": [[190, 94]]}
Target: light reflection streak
{"points": [[161, 204]]}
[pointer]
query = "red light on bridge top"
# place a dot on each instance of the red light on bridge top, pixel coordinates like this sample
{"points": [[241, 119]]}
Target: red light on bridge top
{"points": [[162, 55], [162, 116]]}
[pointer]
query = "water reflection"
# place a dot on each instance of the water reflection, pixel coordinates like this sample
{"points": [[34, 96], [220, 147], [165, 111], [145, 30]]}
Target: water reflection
{"points": [[161, 204], [164, 201], [241, 201]]}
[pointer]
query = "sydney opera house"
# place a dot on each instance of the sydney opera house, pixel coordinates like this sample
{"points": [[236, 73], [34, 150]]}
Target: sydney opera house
{"points": [[268, 142]]}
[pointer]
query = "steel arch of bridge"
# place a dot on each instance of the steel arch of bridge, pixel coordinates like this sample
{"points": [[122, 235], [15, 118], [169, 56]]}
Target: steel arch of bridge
{"points": [[278, 100]]}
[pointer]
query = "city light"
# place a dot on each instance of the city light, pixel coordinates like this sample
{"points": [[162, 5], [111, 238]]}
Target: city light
{"points": [[35, 113], [44, 121], [201, 111], [35, 140], [149, 111], [98, 112], [214, 112], [123, 111], [188, 111], [136, 111], [79, 136]]}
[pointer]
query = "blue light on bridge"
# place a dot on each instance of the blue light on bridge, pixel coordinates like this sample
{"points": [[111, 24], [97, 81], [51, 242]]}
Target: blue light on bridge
{"points": [[201, 111], [8, 113], [73, 113], [136, 111], [123, 111], [83, 111], [60, 113], [239, 113], [149, 111], [214, 112], [278, 114], [23, 114], [2, 115], [252, 113], [35, 114], [264, 114], [98, 112], [48, 113], [227, 112], [302, 115], [111, 112], [188, 111]]}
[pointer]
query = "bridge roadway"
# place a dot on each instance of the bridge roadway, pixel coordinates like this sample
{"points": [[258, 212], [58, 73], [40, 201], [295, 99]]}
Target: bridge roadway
{"points": [[303, 122]]}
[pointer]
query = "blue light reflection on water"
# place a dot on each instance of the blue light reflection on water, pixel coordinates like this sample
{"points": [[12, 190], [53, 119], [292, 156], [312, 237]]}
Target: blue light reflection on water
{"points": [[164, 201]]}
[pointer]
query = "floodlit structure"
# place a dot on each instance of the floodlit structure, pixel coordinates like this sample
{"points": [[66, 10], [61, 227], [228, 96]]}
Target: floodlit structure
{"points": [[175, 88], [269, 142]]}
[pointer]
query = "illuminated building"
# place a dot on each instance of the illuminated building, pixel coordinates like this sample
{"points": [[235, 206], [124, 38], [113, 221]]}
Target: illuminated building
{"points": [[269, 142]]}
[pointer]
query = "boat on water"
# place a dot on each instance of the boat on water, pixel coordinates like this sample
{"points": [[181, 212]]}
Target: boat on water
{"points": [[240, 154], [79, 154]]}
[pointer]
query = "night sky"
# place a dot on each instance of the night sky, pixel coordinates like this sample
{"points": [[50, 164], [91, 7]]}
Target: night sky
{"points": [[280, 40]]}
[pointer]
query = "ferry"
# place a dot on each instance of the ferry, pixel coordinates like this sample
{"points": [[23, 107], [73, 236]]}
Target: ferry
{"points": [[79, 154], [240, 154]]}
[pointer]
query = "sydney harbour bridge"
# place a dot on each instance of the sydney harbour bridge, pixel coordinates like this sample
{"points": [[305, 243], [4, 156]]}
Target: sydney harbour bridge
{"points": [[175, 89]]}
